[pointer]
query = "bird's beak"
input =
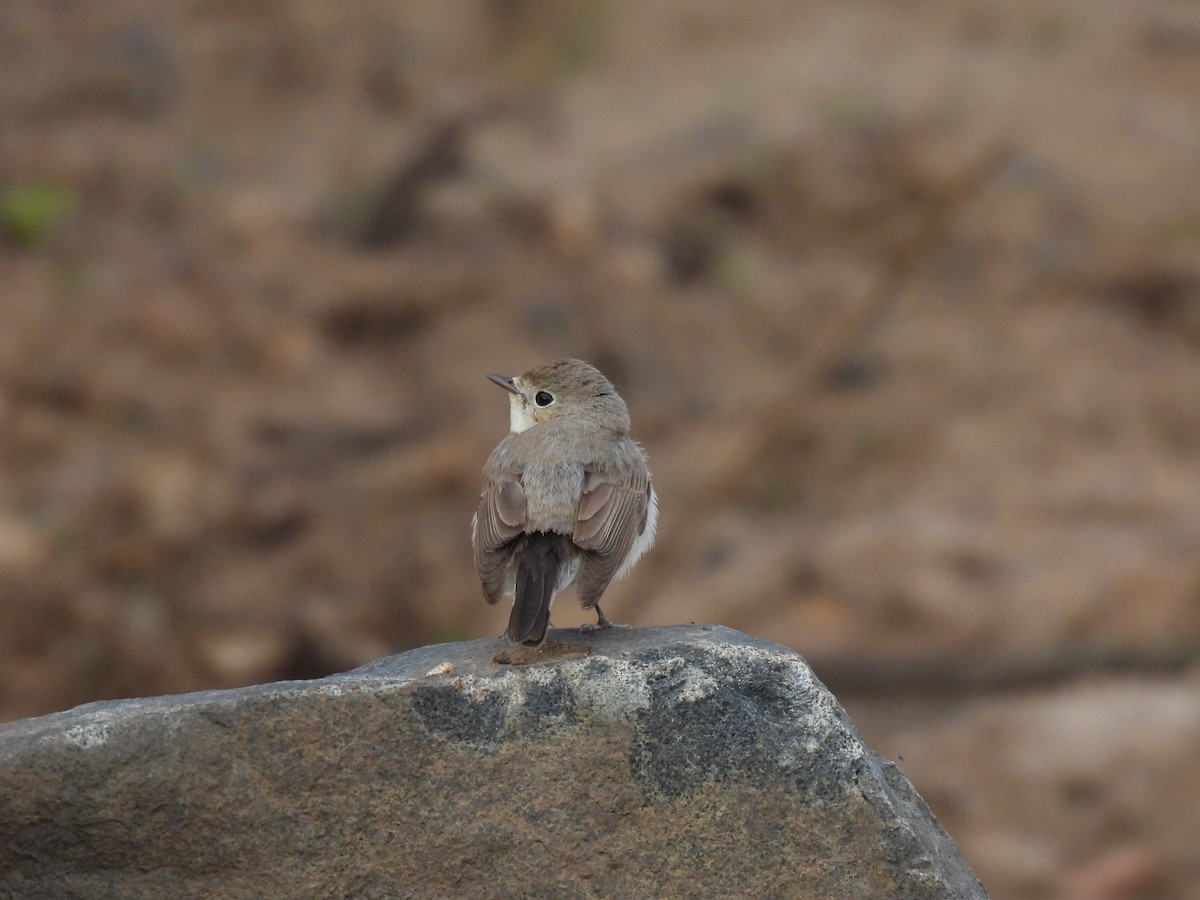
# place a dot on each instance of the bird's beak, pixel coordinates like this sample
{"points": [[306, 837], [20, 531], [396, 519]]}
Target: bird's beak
{"points": [[506, 382]]}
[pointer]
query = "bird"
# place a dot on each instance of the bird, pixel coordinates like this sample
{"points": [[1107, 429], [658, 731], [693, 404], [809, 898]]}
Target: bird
{"points": [[567, 497]]}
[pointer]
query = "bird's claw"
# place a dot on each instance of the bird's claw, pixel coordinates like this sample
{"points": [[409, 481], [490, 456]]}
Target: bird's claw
{"points": [[603, 624]]}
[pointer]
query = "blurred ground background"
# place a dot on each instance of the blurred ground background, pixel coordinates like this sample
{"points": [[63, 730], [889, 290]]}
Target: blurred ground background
{"points": [[904, 298]]}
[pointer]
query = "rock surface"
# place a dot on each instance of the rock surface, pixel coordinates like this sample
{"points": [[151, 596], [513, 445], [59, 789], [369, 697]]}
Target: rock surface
{"points": [[684, 761]]}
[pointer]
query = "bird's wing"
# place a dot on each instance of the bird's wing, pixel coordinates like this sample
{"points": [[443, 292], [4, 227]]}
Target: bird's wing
{"points": [[499, 518], [612, 513]]}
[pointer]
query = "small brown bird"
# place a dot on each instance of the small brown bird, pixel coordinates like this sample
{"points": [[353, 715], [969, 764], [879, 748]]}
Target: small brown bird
{"points": [[566, 496]]}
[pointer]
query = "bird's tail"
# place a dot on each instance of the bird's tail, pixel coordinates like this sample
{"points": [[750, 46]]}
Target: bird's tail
{"points": [[538, 564]]}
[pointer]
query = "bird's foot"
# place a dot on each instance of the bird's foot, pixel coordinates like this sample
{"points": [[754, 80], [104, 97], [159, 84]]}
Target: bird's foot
{"points": [[602, 623]]}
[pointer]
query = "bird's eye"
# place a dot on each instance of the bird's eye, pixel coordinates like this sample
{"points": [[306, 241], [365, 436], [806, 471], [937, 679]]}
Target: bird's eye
{"points": [[542, 398]]}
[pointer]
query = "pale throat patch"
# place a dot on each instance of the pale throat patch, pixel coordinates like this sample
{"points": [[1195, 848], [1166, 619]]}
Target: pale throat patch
{"points": [[520, 416]]}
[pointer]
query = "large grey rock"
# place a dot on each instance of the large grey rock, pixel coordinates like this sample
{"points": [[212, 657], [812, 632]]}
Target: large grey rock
{"points": [[690, 761]]}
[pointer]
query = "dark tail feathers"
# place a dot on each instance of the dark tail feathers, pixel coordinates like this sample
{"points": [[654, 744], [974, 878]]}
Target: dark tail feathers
{"points": [[538, 562]]}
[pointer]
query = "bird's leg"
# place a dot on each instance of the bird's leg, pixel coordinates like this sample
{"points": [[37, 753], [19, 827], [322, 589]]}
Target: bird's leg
{"points": [[602, 622]]}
